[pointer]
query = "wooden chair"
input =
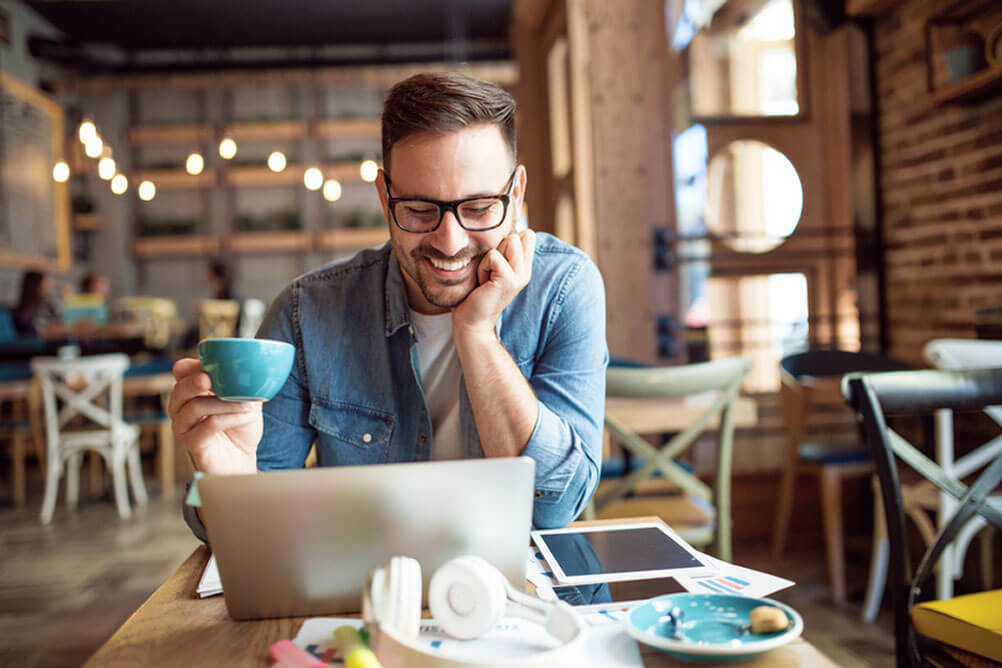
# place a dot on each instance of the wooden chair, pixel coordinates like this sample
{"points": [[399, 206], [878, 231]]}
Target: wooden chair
{"points": [[157, 315], [921, 631], [811, 379], [925, 505], [88, 388], [218, 318], [720, 382]]}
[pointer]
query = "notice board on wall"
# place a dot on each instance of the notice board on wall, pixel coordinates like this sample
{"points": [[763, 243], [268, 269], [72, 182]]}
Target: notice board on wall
{"points": [[34, 208]]}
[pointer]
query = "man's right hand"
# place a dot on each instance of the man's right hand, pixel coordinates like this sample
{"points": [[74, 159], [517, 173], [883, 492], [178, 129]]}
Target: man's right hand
{"points": [[221, 436]]}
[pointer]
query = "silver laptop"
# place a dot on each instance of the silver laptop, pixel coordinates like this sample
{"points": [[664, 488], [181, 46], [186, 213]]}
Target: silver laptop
{"points": [[297, 543]]}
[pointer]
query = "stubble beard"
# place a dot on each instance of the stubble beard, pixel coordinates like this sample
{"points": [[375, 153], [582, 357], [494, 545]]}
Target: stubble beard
{"points": [[432, 287]]}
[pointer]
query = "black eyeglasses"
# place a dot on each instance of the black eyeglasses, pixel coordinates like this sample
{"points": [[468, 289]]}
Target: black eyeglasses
{"points": [[475, 214]]}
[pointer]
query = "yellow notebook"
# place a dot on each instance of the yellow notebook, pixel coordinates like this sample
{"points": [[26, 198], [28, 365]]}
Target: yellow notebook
{"points": [[972, 622]]}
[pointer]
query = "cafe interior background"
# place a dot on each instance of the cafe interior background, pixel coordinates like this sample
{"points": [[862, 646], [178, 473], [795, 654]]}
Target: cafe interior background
{"points": [[752, 177]]}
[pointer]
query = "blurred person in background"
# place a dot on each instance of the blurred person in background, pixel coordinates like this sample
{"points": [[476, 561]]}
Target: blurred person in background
{"points": [[37, 306]]}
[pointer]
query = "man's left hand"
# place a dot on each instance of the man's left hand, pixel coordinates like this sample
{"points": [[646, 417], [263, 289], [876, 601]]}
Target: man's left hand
{"points": [[501, 274]]}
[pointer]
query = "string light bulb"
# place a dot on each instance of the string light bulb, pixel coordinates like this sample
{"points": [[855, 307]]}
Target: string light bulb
{"points": [[61, 172], [147, 191], [194, 164], [227, 148], [313, 178], [368, 170], [332, 190], [119, 184], [87, 131], [276, 161], [106, 168], [93, 147]]}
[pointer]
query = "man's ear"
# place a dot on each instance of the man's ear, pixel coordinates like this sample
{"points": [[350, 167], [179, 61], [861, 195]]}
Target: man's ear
{"points": [[521, 180]]}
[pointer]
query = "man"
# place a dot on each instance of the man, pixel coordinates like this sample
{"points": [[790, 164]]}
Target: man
{"points": [[460, 338]]}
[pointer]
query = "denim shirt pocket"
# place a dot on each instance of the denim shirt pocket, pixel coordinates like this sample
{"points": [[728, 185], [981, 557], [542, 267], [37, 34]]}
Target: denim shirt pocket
{"points": [[366, 429]]}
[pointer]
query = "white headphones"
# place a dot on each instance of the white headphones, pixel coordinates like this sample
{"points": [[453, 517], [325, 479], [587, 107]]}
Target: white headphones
{"points": [[467, 596]]}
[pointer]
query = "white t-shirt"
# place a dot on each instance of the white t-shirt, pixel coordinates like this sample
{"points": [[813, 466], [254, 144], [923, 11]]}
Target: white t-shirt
{"points": [[439, 367]]}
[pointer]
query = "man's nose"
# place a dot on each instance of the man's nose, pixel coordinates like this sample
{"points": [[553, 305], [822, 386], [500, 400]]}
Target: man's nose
{"points": [[450, 237]]}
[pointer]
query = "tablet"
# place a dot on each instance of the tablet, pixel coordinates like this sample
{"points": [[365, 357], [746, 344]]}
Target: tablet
{"points": [[610, 595], [616, 553]]}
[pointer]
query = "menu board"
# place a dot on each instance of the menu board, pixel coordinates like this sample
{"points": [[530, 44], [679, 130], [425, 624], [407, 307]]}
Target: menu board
{"points": [[34, 217]]}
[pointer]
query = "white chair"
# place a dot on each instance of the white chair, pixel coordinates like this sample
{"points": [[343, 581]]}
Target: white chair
{"points": [[251, 315], [75, 388], [950, 355]]}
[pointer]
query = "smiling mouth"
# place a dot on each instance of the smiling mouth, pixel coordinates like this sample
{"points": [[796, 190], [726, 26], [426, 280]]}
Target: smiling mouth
{"points": [[449, 265]]}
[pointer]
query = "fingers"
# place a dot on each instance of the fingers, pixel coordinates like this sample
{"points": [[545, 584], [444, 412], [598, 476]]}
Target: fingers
{"points": [[196, 411], [185, 367], [199, 438], [195, 384], [494, 268]]}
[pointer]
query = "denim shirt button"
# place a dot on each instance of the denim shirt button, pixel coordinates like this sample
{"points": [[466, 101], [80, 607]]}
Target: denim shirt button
{"points": [[410, 328], [367, 437], [424, 438], [538, 494]]}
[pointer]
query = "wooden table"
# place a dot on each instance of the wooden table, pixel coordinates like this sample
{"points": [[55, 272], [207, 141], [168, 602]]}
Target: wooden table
{"points": [[175, 628]]}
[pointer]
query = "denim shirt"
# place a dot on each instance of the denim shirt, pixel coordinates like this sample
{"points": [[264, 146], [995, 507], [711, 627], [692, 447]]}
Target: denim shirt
{"points": [[355, 389]]}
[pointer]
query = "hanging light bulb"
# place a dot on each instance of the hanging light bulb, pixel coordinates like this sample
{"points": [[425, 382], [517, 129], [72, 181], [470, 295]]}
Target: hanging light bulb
{"points": [[276, 161], [119, 184], [93, 147], [61, 172], [194, 164], [332, 190], [147, 191], [86, 131], [369, 170], [106, 168], [313, 178], [227, 148]]}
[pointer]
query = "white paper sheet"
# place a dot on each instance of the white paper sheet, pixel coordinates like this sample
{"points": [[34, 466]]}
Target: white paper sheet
{"points": [[606, 646], [210, 584]]}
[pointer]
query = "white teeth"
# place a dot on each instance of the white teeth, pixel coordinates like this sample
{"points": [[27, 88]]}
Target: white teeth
{"points": [[449, 266]]}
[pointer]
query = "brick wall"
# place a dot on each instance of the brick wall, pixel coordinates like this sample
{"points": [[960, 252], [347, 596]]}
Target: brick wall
{"points": [[941, 190]]}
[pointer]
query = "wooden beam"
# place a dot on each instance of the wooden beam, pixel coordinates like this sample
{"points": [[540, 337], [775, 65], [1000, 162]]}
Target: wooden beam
{"points": [[501, 72], [858, 8]]}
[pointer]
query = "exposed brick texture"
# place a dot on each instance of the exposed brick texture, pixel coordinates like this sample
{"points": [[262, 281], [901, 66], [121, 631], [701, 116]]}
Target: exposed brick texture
{"points": [[941, 190]]}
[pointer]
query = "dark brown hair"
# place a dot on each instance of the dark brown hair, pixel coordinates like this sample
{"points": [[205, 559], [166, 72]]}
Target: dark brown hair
{"points": [[445, 102]]}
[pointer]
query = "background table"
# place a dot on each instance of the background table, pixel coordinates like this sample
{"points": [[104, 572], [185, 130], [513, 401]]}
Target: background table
{"points": [[175, 628]]}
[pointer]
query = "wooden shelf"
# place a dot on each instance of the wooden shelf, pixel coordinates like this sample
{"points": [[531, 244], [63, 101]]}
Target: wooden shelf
{"points": [[348, 127], [254, 130], [253, 175], [270, 242], [175, 179], [352, 237], [170, 134], [86, 221], [972, 88], [175, 245]]}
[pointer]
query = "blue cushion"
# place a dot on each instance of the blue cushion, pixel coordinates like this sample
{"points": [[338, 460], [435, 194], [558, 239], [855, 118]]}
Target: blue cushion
{"points": [[811, 452], [616, 468], [148, 368], [14, 371]]}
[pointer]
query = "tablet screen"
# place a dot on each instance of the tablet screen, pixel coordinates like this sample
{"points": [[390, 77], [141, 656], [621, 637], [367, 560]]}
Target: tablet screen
{"points": [[619, 551], [617, 592]]}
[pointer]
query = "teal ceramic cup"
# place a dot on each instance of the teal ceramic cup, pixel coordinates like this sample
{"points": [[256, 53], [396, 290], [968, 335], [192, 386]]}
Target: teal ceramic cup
{"points": [[246, 369]]}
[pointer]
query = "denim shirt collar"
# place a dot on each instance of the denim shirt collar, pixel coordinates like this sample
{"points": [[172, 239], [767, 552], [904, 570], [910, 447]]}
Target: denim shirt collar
{"points": [[396, 313], [395, 308]]}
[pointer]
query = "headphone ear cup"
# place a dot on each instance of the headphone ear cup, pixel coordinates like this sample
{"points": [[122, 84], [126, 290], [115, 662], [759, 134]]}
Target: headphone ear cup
{"points": [[467, 597], [394, 599]]}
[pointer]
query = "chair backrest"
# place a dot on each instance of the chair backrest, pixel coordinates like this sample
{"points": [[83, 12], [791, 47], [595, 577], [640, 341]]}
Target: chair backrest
{"points": [[252, 313], [217, 318], [721, 376], [79, 384], [156, 313], [831, 362], [917, 392]]}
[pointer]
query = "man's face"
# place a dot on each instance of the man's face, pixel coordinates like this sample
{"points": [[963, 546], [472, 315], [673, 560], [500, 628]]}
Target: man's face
{"points": [[440, 267]]}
